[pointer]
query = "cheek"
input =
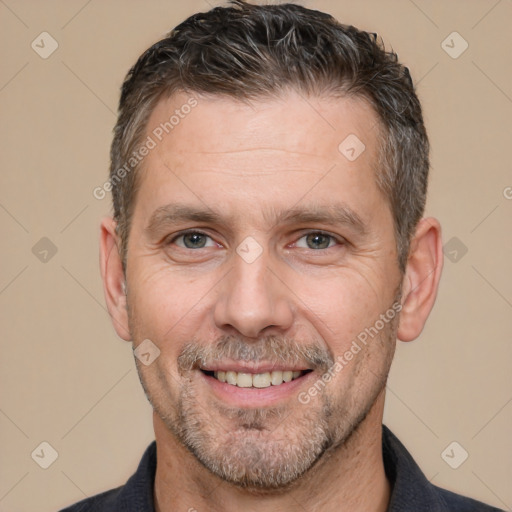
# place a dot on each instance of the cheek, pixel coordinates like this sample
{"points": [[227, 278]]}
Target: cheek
{"points": [[340, 308], [167, 305]]}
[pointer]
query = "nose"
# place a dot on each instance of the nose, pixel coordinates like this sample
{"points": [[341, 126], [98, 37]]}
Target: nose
{"points": [[252, 300]]}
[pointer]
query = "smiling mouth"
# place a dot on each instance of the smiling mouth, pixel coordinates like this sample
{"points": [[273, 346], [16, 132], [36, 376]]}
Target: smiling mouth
{"points": [[255, 380]]}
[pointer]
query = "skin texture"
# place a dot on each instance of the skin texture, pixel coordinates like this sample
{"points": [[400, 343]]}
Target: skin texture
{"points": [[301, 303]]}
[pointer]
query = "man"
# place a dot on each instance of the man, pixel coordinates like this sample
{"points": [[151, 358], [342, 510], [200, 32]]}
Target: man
{"points": [[267, 248]]}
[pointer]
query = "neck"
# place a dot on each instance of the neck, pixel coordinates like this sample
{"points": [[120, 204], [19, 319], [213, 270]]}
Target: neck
{"points": [[350, 477]]}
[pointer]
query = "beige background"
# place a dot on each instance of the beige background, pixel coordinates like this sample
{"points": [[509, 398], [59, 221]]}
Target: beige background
{"points": [[65, 376]]}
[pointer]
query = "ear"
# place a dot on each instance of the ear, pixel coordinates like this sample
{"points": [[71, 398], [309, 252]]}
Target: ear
{"points": [[113, 278], [421, 279]]}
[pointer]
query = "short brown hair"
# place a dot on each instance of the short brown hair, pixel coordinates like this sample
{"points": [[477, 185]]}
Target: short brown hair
{"points": [[249, 51]]}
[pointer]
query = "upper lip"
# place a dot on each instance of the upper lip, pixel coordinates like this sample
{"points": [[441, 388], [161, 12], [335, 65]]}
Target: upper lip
{"points": [[251, 367]]}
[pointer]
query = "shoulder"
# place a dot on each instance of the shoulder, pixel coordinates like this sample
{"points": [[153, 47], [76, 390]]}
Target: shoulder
{"points": [[460, 503], [104, 502], [410, 488], [135, 496]]}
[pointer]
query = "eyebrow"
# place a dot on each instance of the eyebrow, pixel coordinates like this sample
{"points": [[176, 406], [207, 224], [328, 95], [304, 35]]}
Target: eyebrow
{"points": [[334, 214]]}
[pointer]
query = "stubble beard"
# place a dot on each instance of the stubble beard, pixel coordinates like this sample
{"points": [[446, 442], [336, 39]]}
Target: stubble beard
{"points": [[266, 449]]}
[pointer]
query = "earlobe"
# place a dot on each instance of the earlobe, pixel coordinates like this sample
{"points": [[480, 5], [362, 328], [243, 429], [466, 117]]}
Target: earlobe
{"points": [[113, 278], [421, 279]]}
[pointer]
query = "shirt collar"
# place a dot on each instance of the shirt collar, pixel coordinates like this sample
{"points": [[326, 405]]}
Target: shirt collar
{"points": [[410, 488]]}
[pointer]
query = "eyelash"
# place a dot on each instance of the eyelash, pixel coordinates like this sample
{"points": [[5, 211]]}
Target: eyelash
{"points": [[339, 241]]}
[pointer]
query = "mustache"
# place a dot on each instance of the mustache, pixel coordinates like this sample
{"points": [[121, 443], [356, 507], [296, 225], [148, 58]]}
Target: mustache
{"points": [[272, 349]]}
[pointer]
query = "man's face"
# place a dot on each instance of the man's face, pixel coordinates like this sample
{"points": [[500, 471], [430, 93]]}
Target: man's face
{"points": [[289, 257]]}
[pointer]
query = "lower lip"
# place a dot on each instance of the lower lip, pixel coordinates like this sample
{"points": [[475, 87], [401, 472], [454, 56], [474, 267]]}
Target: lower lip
{"points": [[256, 397]]}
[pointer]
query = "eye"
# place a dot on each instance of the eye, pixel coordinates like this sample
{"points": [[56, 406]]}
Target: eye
{"points": [[192, 240], [316, 240]]}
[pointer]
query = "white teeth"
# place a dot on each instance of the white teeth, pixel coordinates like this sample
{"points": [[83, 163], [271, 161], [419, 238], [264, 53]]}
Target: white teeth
{"points": [[244, 380], [261, 380], [230, 378], [258, 380], [277, 378]]}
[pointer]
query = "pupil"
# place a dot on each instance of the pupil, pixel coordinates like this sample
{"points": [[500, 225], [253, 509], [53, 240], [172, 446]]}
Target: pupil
{"points": [[318, 241], [193, 240]]}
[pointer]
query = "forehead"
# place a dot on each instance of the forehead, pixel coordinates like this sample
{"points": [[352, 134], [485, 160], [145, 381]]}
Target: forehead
{"points": [[267, 152], [291, 122]]}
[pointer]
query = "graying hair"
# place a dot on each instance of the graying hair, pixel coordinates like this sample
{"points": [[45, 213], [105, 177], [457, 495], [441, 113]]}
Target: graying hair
{"points": [[247, 51]]}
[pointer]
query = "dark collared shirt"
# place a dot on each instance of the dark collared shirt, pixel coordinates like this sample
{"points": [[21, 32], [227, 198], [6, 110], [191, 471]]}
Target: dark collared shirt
{"points": [[411, 491]]}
